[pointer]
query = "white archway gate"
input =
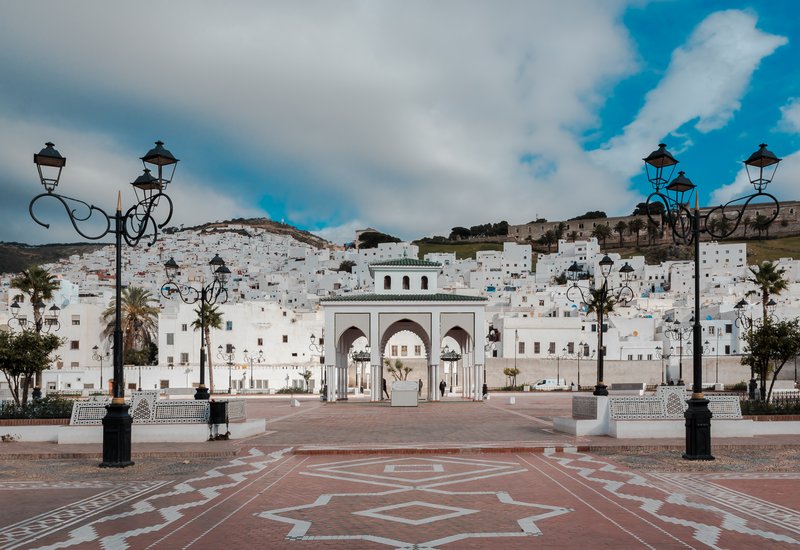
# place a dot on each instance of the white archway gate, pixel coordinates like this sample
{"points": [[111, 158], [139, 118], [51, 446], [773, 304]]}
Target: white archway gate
{"points": [[414, 305]]}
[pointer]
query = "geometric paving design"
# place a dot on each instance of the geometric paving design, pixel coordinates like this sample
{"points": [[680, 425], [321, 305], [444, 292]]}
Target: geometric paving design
{"points": [[419, 483], [681, 499]]}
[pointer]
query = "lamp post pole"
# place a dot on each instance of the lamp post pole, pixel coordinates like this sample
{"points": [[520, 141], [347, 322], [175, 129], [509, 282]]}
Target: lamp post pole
{"points": [[670, 203], [250, 359], [97, 356], [133, 225], [228, 358], [599, 300], [318, 346], [680, 333], [208, 295]]}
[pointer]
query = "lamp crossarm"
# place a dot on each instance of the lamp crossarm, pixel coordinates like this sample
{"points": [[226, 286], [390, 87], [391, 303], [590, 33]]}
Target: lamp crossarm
{"points": [[733, 214], [140, 216], [81, 212]]}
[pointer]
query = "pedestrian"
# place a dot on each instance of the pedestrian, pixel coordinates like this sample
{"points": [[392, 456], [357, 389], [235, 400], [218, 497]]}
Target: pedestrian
{"points": [[420, 387], [442, 387], [385, 391], [485, 390]]}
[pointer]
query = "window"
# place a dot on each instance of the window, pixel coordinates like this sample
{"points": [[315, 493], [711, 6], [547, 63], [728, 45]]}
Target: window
{"points": [[184, 358], [229, 348], [260, 341], [170, 338], [649, 356], [394, 351], [727, 350], [521, 348], [711, 330], [537, 348], [424, 282], [76, 320], [551, 348], [417, 350], [630, 357], [74, 365], [170, 359], [285, 339], [184, 327], [571, 347], [163, 384], [131, 385], [403, 351], [541, 303], [74, 344], [728, 329], [228, 325], [639, 357], [387, 283], [406, 282]]}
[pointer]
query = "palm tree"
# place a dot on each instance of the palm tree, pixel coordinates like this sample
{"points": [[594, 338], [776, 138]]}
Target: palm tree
{"points": [[559, 230], [746, 222], [573, 236], [768, 277], [39, 284], [635, 226], [620, 228], [601, 233], [139, 318], [761, 224], [653, 231], [213, 319], [548, 239]]}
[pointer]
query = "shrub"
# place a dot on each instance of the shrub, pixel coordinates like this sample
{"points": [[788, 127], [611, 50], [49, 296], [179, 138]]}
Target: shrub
{"points": [[778, 405], [739, 386], [292, 390], [47, 407]]}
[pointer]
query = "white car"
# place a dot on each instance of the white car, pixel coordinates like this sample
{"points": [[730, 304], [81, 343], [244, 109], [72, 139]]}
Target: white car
{"points": [[548, 384]]}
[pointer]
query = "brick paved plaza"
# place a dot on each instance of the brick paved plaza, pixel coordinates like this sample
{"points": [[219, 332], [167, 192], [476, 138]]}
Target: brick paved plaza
{"points": [[444, 475]]}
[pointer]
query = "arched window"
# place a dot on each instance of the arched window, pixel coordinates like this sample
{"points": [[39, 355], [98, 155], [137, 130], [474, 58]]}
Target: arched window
{"points": [[406, 282], [387, 283], [424, 282]]}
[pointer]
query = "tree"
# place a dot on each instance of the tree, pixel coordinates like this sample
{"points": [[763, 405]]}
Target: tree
{"points": [[548, 239], [590, 215], [653, 231], [601, 233], [635, 226], [761, 224], [22, 356], [655, 209], [573, 236], [768, 277], [39, 284], [511, 373], [720, 225], [139, 318], [306, 376], [371, 239], [460, 233], [213, 319], [347, 266], [399, 371], [746, 222], [620, 229], [769, 346], [559, 231]]}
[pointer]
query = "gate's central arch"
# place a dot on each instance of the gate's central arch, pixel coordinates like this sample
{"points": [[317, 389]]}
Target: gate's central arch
{"points": [[406, 298]]}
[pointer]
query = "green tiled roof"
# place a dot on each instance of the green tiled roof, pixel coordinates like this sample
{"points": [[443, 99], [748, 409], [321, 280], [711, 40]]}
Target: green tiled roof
{"points": [[439, 297], [406, 262]]}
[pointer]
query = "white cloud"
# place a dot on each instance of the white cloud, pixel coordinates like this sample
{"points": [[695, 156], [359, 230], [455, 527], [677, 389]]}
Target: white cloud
{"points": [[790, 116], [416, 115], [703, 85]]}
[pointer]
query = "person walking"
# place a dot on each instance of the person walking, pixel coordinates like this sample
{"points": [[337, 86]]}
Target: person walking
{"points": [[385, 391], [420, 387], [442, 387]]}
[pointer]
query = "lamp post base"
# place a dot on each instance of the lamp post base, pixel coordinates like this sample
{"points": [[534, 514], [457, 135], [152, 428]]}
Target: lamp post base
{"points": [[600, 389], [698, 430], [202, 393], [117, 436]]}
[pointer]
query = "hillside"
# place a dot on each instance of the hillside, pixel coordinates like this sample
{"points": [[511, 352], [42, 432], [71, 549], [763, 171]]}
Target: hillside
{"points": [[15, 257]]}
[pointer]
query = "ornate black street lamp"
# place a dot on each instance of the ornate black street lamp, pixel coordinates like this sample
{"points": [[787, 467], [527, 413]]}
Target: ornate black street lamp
{"points": [[360, 358], [451, 357], [677, 331], [253, 359], [318, 346], [97, 356], [670, 203], [228, 358], [207, 295], [42, 322], [132, 226], [599, 300]]}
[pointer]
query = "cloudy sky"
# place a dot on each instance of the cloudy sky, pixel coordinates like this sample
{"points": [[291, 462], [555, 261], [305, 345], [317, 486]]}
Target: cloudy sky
{"points": [[410, 117]]}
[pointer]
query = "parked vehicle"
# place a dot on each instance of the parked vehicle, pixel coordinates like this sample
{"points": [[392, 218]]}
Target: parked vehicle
{"points": [[548, 384]]}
